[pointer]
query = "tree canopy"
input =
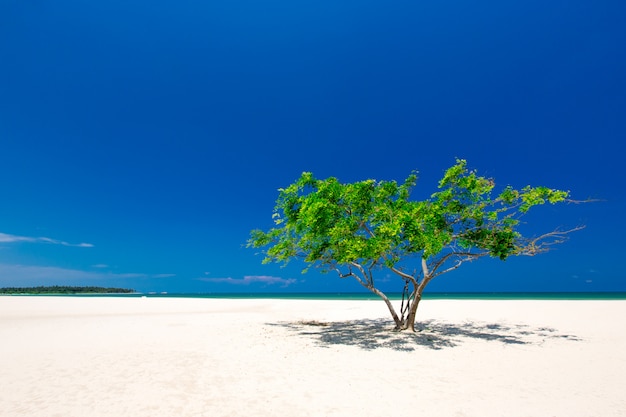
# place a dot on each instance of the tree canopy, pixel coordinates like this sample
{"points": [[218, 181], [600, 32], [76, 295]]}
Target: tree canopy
{"points": [[358, 228]]}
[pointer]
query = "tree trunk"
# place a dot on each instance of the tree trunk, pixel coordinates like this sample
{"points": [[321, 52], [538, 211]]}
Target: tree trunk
{"points": [[396, 319], [410, 320]]}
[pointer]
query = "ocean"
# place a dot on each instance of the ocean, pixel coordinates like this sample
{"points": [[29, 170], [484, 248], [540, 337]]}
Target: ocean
{"points": [[369, 296]]}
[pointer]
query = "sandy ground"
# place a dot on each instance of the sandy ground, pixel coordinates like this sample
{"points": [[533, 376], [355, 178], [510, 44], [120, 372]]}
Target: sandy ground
{"points": [[64, 356]]}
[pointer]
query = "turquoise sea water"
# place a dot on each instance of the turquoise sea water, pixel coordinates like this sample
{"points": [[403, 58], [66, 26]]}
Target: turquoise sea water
{"points": [[368, 296]]}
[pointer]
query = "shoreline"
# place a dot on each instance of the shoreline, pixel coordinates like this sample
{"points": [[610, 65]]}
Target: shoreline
{"points": [[504, 295], [112, 356]]}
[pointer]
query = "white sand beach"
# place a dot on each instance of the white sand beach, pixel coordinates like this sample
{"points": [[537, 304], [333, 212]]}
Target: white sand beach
{"points": [[66, 356]]}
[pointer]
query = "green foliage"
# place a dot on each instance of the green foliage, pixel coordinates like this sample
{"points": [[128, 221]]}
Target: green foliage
{"points": [[64, 289], [372, 223]]}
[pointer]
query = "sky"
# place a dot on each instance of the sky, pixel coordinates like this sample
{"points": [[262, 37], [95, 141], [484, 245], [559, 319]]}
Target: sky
{"points": [[140, 142]]}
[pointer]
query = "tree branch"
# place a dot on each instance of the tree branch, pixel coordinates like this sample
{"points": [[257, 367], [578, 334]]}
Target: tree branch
{"points": [[463, 257], [404, 275], [466, 256], [541, 244], [350, 274], [367, 276]]}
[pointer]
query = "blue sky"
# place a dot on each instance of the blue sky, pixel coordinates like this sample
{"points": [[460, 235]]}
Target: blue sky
{"points": [[140, 142]]}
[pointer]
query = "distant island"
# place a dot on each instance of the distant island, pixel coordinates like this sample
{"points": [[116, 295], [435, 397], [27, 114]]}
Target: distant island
{"points": [[62, 289]]}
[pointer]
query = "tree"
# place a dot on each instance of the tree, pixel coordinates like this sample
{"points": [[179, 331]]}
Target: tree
{"points": [[358, 228], [64, 289]]}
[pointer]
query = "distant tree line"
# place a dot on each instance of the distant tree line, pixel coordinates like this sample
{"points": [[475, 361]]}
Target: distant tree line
{"points": [[62, 289]]}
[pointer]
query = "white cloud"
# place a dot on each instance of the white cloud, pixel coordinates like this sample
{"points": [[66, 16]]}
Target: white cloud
{"points": [[28, 275], [16, 275], [163, 275], [252, 279], [6, 238]]}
